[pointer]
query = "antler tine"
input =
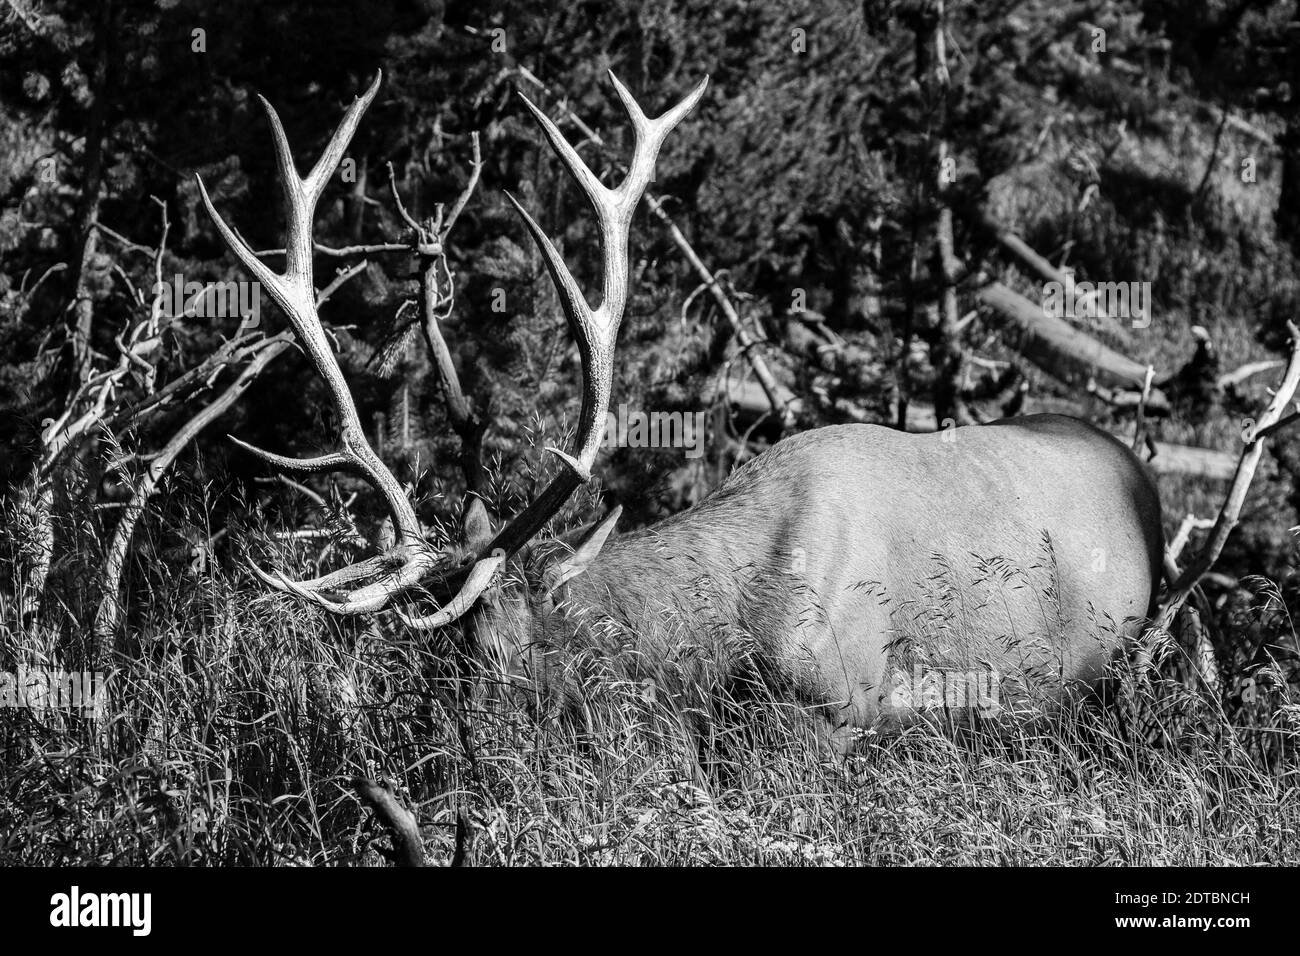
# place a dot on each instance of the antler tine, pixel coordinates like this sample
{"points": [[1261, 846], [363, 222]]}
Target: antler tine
{"points": [[480, 576], [294, 291], [595, 330], [243, 253], [595, 340], [364, 600], [334, 461], [329, 160], [650, 136]]}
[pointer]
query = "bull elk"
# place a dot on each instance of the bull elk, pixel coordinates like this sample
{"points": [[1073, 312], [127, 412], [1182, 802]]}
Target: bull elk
{"points": [[834, 562]]}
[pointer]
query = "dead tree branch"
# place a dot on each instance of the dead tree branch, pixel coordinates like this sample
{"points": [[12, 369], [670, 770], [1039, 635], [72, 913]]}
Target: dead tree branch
{"points": [[1230, 512], [408, 848]]}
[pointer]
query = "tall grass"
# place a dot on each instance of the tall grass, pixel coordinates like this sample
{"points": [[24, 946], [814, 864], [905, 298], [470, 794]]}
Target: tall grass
{"points": [[237, 720]]}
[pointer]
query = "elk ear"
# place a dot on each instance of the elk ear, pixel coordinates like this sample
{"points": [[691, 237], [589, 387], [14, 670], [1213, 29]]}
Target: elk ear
{"points": [[476, 529], [571, 565]]}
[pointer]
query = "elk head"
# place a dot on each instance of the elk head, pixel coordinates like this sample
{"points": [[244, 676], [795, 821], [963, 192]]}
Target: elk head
{"points": [[412, 562]]}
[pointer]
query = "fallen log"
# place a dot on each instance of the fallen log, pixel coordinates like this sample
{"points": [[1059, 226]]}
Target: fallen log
{"points": [[1066, 353], [1189, 460], [752, 400]]}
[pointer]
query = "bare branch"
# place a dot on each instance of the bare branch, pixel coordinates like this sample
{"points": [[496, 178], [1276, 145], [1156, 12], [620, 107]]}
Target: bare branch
{"points": [[408, 849], [1239, 375], [1230, 512], [475, 170], [110, 606]]}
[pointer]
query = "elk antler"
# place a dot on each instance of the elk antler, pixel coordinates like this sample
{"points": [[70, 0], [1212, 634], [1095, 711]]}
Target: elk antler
{"points": [[411, 559], [594, 330]]}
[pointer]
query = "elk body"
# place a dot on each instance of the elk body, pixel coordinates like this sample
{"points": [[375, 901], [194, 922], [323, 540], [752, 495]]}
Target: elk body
{"points": [[833, 564], [845, 561]]}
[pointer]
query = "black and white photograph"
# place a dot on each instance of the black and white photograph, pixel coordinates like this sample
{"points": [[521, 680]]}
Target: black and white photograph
{"points": [[650, 434]]}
